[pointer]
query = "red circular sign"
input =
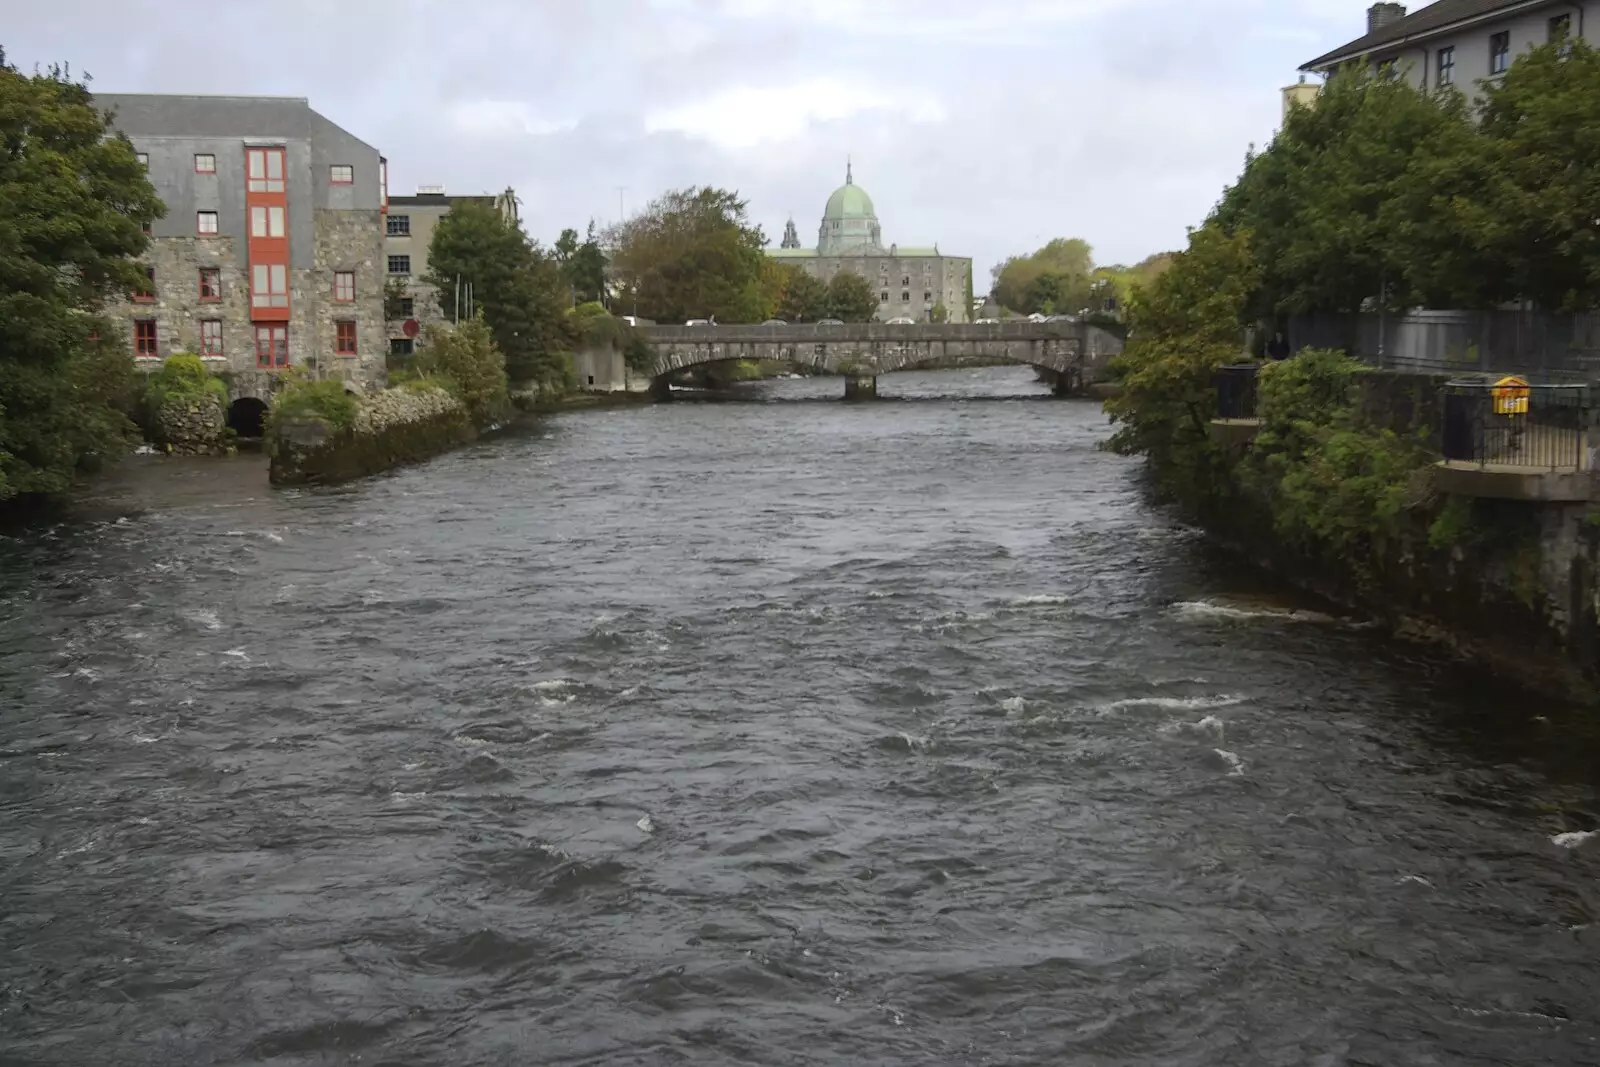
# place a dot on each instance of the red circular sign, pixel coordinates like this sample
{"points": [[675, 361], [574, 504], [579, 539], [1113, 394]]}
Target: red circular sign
{"points": [[410, 329]]}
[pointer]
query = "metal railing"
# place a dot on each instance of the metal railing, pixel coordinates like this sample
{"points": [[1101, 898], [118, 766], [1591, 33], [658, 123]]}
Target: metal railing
{"points": [[1236, 390], [1512, 423]]}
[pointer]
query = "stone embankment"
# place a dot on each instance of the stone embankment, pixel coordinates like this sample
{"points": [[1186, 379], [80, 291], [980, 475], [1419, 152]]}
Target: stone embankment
{"points": [[390, 428], [192, 426]]}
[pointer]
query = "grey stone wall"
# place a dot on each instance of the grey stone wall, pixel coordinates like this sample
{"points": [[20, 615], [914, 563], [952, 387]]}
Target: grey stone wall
{"points": [[600, 370], [353, 241], [928, 280], [178, 309]]}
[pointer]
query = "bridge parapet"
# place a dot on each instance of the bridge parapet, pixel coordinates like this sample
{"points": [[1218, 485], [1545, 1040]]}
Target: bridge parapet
{"points": [[863, 331]]}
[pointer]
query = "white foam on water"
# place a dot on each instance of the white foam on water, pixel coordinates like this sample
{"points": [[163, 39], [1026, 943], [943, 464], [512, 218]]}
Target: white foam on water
{"points": [[1202, 703], [205, 618], [403, 798], [1417, 878], [270, 536], [1043, 600], [1209, 727], [1574, 838], [1208, 610], [914, 741], [554, 692], [145, 739], [1013, 705], [646, 824], [471, 742], [631, 691], [878, 594], [409, 766], [1233, 761], [237, 653]]}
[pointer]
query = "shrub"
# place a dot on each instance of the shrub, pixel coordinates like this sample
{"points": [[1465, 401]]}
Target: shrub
{"points": [[325, 399], [182, 377], [467, 362]]}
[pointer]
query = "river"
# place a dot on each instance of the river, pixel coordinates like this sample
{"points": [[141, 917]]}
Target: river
{"points": [[779, 731]]}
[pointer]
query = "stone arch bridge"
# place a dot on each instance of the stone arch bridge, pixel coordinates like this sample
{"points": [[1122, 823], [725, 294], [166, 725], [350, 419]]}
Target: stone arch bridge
{"points": [[1076, 353]]}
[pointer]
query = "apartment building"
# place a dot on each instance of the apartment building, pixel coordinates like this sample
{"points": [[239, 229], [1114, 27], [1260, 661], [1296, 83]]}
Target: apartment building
{"points": [[1454, 42], [408, 231], [271, 253]]}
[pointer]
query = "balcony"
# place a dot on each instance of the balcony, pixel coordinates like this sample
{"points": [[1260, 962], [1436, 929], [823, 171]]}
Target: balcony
{"points": [[1236, 422], [1512, 440]]}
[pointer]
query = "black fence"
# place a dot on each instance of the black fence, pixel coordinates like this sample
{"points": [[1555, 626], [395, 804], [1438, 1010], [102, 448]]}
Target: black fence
{"points": [[1510, 422], [1236, 391]]}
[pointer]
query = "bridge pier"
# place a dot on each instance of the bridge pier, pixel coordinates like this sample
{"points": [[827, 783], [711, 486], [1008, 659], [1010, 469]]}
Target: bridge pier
{"points": [[1068, 382], [661, 387], [861, 387]]}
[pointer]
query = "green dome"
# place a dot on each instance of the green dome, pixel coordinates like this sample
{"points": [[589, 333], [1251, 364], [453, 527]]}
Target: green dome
{"points": [[849, 201]]}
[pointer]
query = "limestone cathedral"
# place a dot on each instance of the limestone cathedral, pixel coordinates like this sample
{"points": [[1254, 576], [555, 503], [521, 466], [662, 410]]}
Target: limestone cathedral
{"points": [[909, 281]]}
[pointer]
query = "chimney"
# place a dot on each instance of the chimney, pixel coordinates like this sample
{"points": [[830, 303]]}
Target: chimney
{"points": [[1380, 15]]}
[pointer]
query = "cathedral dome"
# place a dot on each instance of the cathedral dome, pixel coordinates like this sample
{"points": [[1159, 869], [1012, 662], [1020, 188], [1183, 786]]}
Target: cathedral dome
{"points": [[849, 222]]}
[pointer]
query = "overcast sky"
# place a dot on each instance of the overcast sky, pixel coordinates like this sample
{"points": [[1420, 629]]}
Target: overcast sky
{"points": [[987, 127]]}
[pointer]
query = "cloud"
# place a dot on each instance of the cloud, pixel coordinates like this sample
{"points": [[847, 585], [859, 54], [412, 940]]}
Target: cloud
{"points": [[986, 128]]}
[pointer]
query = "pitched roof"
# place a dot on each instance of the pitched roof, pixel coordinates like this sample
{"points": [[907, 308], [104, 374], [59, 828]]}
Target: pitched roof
{"points": [[1430, 20], [440, 200]]}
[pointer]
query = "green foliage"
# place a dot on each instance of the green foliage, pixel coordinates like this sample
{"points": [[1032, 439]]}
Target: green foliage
{"points": [[1453, 525], [582, 264], [323, 398], [693, 253], [939, 313], [1056, 274], [517, 287], [467, 362], [1382, 195], [595, 326], [1185, 326], [804, 298], [851, 298], [73, 202], [182, 377]]}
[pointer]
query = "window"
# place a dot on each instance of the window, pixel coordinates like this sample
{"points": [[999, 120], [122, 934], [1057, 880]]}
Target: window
{"points": [[342, 174], [144, 338], [1499, 52], [205, 223], [399, 225], [344, 338], [272, 346], [927, 295], [905, 297], [408, 307], [211, 337], [906, 280], [1388, 70], [1560, 27], [883, 297], [205, 163], [147, 289], [399, 264], [143, 158], [1447, 66], [344, 286], [265, 170], [210, 283], [266, 221], [401, 346], [269, 285]]}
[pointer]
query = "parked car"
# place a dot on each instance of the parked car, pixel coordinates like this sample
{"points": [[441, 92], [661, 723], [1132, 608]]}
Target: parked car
{"points": [[774, 322], [986, 322], [902, 322], [698, 322], [830, 322]]}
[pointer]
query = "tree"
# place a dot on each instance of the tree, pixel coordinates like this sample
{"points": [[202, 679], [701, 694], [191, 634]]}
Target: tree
{"points": [[1068, 259], [73, 204], [470, 366], [518, 287], [583, 265], [851, 298], [804, 299], [692, 253], [938, 313]]}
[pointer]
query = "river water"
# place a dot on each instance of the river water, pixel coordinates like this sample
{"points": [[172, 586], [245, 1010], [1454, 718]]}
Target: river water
{"points": [[768, 732]]}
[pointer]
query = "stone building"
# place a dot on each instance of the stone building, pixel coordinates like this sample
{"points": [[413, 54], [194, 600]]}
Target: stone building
{"points": [[271, 251], [408, 231], [910, 282]]}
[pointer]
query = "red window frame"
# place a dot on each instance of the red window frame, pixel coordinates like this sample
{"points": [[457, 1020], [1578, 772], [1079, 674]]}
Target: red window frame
{"points": [[344, 343], [272, 345], [348, 169], [216, 224], [145, 296], [144, 339], [265, 170], [212, 156], [344, 286], [211, 337], [210, 283]]}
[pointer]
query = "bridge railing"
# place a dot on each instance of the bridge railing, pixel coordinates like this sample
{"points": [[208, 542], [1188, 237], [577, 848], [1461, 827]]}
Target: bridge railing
{"points": [[863, 331]]}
